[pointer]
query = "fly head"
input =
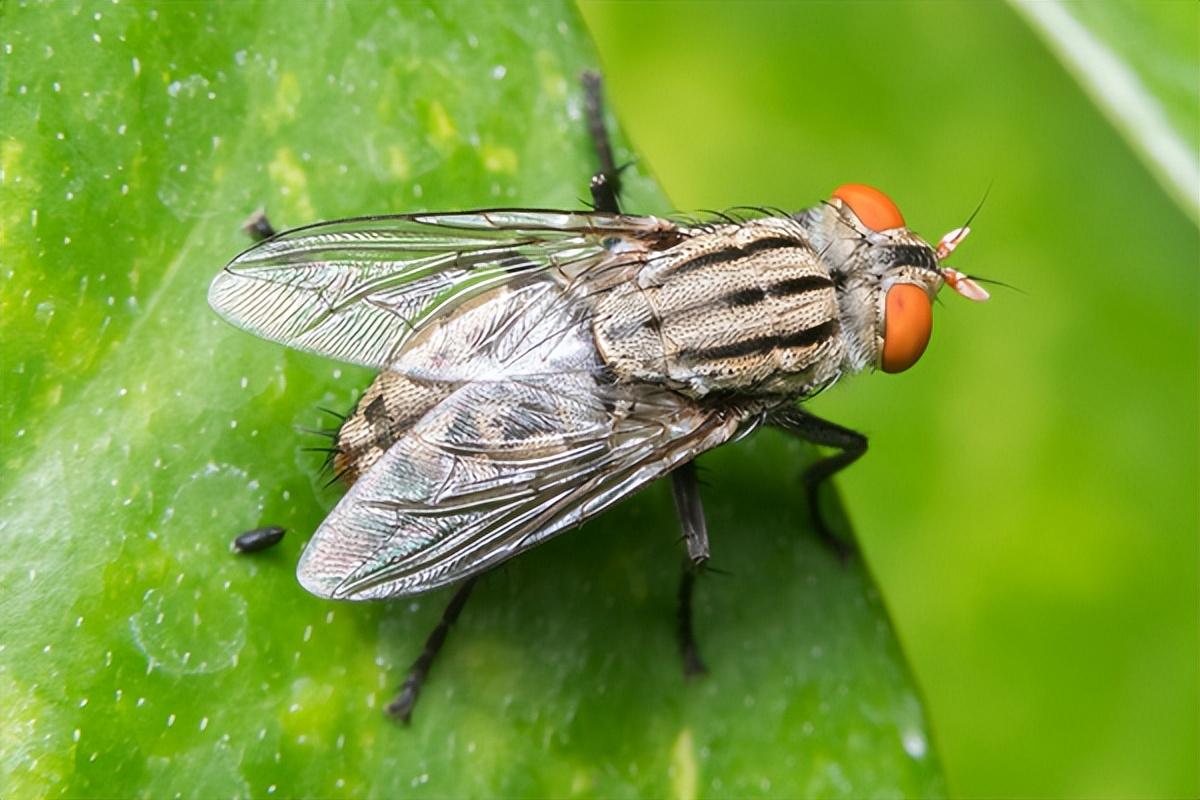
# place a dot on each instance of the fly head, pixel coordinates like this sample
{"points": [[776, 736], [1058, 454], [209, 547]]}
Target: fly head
{"points": [[887, 276]]}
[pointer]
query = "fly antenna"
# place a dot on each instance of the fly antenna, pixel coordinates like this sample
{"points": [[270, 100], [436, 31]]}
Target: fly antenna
{"points": [[963, 284], [979, 205], [994, 282], [954, 238]]}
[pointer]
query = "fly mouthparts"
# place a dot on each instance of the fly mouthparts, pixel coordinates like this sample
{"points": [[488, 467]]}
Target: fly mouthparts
{"points": [[963, 284]]}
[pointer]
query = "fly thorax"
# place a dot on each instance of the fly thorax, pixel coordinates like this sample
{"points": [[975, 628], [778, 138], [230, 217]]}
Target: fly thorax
{"points": [[735, 308]]}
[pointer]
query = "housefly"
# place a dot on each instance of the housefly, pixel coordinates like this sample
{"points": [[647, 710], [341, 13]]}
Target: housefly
{"points": [[536, 366]]}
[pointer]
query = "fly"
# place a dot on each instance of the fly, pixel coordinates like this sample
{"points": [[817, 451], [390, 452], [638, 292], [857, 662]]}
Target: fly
{"points": [[537, 366]]}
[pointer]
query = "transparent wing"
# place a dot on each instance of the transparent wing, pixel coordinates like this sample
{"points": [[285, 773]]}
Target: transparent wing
{"points": [[495, 469], [357, 290]]}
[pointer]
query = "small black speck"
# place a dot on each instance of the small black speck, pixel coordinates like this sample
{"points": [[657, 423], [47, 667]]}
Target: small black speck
{"points": [[258, 539]]}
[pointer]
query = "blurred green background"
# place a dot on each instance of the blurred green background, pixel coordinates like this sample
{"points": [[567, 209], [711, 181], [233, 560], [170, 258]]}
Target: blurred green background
{"points": [[1029, 503]]}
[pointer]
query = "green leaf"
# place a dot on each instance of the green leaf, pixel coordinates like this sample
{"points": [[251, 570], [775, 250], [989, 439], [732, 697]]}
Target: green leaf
{"points": [[141, 657], [1140, 63]]}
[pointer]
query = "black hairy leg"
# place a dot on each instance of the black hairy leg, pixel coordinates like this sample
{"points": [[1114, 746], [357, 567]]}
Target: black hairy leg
{"points": [[823, 433], [258, 227], [686, 490], [605, 186], [402, 706], [605, 189]]}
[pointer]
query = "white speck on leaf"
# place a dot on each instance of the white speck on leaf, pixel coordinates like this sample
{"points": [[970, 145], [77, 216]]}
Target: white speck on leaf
{"points": [[914, 744]]}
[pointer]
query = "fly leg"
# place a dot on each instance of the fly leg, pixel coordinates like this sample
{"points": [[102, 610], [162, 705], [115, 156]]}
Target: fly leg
{"points": [[258, 227], [686, 490], [402, 706], [825, 434], [606, 184], [606, 189]]}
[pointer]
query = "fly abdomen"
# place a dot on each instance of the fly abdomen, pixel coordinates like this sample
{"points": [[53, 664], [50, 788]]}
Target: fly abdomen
{"points": [[391, 406], [741, 308]]}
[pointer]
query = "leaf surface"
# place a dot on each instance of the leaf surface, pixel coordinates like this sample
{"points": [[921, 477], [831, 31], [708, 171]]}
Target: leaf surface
{"points": [[140, 433]]}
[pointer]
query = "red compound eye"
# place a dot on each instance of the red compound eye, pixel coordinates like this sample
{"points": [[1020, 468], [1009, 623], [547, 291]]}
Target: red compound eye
{"points": [[872, 207], [907, 323]]}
